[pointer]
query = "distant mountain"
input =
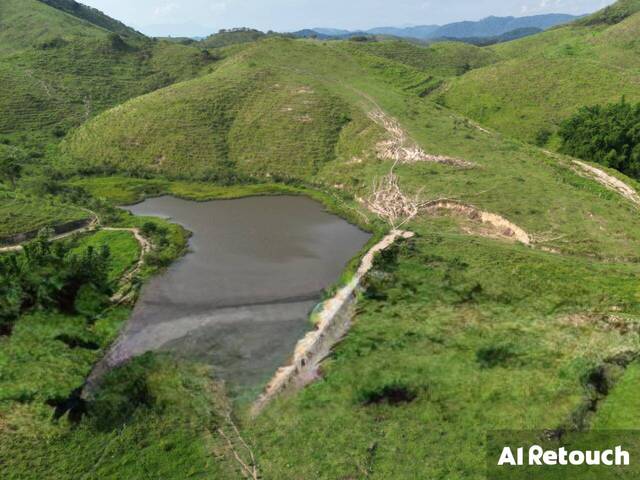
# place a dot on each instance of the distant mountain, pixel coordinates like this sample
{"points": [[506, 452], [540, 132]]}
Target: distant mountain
{"points": [[332, 32], [495, 26], [490, 27], [309, 33], [421, 32]]}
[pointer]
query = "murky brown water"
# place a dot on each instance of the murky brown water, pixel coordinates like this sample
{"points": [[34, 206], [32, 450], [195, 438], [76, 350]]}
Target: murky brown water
{"points": [[241, 299]]}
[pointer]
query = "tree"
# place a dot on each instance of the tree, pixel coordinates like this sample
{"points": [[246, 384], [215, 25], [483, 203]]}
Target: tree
{"points": [[51, 276], [608, 134], [11, 162]]}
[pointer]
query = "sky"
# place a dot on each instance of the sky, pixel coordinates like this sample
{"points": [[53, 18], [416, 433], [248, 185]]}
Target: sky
{"points": [[199, 17]]}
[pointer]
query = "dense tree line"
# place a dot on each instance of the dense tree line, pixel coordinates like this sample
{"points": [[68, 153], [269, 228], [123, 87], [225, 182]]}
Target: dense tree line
{"points": [[50, 276], [608, 134]]}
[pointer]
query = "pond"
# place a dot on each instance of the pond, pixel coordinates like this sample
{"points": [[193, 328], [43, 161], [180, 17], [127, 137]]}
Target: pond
{"points": [[241, 298]]}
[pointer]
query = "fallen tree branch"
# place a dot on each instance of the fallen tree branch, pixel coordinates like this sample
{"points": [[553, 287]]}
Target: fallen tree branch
{"points": [[389, 202]]}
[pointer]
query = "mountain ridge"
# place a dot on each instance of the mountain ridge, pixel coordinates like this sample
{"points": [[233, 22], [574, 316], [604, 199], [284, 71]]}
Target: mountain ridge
{"points": [[491, 26]]}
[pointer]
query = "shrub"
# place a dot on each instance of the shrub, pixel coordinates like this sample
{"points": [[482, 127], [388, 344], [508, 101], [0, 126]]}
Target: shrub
{"points": [[394, 392], [117, 43], [56, 42], [543, 136], [90, 301]]}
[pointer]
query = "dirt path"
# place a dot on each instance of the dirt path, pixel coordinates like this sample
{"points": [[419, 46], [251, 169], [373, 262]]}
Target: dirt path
{"points": [[610, 182], [93, 225], [145, 248], [498, 226]]}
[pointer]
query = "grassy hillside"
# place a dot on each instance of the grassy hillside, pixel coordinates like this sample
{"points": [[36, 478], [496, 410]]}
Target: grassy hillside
{"points": [[50, 90], [542, 80], [24, 213], [198, 129], [612, 14], [58, 70], [299, 110], [443, 59], [24, 23]]}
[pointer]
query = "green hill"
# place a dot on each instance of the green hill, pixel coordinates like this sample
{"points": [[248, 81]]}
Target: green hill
{"points": [[300, 110], [58, 70], [443, 59], [225, 38], [24, 23], [612, 14], [544, 79]]}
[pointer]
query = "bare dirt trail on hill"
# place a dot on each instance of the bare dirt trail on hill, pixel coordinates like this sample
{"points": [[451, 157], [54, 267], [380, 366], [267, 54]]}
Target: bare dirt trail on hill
{"points": [[603, 178], [610, 182], [145, 248]]}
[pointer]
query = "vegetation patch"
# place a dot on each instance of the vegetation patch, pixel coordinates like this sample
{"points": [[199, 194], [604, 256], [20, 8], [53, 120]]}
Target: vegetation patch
{"points": [[605, 134]]}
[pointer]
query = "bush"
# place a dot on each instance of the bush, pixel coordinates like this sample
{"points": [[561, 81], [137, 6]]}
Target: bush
{"points": [[12, 161], [56, 42], [117, 43], [362, 38], [395, 392], [609, 135], [543, 137]]}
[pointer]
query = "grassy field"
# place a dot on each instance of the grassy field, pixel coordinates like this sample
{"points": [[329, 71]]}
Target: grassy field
{"points": [[155, 419], [619, 411], [465, 336]]}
